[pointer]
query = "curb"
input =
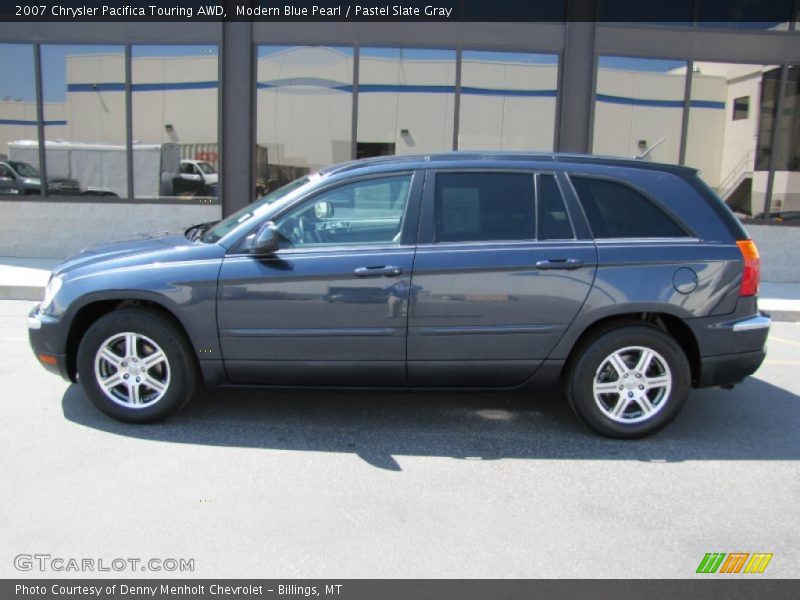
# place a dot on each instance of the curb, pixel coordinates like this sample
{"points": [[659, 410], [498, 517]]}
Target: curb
{"points": [[23, 292]]}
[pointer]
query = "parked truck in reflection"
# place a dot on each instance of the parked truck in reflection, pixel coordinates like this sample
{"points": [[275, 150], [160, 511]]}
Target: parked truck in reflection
{"points": [[20, 178], [101, 169]]}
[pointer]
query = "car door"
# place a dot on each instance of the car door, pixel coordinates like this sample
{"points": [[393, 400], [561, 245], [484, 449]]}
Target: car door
{"points": [[8, 183], [499, 275], [330, 306]]}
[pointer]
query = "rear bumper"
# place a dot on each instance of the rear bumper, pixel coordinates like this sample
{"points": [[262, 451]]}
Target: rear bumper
{"points": [[728, 369], [748, 335]]}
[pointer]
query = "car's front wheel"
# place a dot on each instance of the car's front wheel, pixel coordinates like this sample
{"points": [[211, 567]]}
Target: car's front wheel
{"points": [[629, 382], [136, 366]]}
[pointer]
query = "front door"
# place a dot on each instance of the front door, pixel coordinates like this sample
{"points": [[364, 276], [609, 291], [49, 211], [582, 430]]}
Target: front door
{"points": [[499, 275], [331, 306]]}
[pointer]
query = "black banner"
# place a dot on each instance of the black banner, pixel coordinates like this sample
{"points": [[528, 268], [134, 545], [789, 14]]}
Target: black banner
{"points": [[727, 13], [379, 589]]}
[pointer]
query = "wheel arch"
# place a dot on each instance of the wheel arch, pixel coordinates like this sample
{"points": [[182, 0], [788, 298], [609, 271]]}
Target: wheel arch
{"points": [[665, 322], [100, 305]]}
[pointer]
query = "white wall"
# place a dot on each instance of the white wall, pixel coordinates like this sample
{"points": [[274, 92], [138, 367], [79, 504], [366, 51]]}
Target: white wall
{"points": [[59, 229], [707, 127], [507, 122], [619, 127]]}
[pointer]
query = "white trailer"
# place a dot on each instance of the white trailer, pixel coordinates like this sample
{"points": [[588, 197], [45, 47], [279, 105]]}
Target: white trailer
{"points": [[100, 168]]}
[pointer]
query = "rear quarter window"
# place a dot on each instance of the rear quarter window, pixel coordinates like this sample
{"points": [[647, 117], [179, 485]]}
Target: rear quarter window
{"points": [[615, 210]]}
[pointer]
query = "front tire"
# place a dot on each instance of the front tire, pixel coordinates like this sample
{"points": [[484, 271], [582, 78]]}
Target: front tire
{"points": [[629, 382], [136, 366]]}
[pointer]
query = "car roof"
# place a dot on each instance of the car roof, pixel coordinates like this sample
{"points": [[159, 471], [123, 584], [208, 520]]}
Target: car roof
{"points": [[454, 159]]}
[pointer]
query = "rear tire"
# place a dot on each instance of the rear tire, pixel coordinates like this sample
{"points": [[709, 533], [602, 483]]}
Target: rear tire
{"points": [[136, 366], [629, 382]]}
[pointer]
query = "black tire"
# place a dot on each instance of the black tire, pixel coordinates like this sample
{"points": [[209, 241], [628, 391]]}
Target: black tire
{"points": [[177, 374], [634, 420]]}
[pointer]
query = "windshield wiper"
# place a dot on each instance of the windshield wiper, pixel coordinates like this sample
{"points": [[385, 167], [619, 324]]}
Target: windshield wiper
{"points": [[195, 232]]}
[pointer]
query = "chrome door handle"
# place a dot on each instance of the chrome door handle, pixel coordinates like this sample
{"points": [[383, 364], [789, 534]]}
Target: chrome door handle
{"points": [[387, 271], [567, 264]]}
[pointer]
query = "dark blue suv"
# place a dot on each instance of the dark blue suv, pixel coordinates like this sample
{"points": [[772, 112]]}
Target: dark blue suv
{"points": [[629, 282]]}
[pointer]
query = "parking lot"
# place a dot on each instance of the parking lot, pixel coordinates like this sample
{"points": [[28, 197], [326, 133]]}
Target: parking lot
{"points": [[291, 484]]}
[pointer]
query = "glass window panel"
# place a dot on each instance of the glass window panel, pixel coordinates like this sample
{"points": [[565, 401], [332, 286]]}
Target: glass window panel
{"points": [[722, 142], [364, 212], [553, 218], [18, 132], [616, 211], [508, 101], [175, 116], [484, 206], [405, 101], [638, 108], [83, 87], [304, 110]]}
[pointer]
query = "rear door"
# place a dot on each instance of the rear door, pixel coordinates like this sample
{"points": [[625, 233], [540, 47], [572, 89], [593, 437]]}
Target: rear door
{"points": [[498, 277]]}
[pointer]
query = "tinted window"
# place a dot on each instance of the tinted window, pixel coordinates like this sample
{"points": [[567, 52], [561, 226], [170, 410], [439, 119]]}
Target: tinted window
{"points": [[553, 218], [363, 212], [617, 211], [484, 206]]}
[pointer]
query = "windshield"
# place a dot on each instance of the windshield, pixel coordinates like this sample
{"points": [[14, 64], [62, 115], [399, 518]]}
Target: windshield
{"points": [[206, 167], [228, 224], [23, 168]]}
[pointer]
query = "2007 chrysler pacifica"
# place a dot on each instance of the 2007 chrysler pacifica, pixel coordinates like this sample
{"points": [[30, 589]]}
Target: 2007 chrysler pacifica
{"points": [[628, 281]]}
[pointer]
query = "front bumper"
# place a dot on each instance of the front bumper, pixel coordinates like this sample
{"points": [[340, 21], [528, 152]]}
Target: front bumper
{"points": [[48, 341]]}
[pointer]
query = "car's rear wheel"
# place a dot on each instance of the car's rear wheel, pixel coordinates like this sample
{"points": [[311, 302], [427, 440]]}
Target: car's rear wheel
{"points": [[629, 382], [136, 366]]}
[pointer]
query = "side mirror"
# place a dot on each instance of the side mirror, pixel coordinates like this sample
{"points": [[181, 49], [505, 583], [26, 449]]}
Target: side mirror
{"points": [[265, 241], [323, 210]]}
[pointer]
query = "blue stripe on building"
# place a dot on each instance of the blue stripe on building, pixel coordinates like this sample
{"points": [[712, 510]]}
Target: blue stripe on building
{"points": [[26, 122], [386, 89], [658, 103]]}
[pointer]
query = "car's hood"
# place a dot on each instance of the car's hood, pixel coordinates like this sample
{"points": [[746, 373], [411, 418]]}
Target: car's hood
{"points": [[212, 178], [147, 249]]}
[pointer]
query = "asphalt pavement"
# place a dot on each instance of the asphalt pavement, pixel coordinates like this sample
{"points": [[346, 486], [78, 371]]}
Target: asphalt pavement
{"points": [[298, 484]]}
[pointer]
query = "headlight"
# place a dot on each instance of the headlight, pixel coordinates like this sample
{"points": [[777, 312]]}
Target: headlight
{"points": [[50, 291]]}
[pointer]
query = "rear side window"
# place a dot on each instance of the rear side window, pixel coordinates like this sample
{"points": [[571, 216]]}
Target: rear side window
{"points": [[615, 210], [472, 207], [554, 221]]}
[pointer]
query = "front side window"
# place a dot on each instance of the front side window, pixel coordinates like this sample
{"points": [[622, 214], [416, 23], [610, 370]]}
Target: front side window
{"points": [[473, 207], [615, 210], [369, 211], [24, 169]]}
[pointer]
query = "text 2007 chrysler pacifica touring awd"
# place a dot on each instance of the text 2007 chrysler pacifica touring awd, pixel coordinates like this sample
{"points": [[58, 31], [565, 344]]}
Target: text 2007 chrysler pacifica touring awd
{"points": [[628, 281]]}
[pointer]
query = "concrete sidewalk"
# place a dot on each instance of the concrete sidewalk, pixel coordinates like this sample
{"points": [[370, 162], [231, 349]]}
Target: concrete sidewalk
{"points": [[25, 279]]}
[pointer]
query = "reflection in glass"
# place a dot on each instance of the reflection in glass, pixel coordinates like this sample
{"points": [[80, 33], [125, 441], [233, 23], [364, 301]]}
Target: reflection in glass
{"points": [[304, 107], [405, 101], [18, 176], [175, 116], [639, 108], [721, 138], [508, 101], [83, 87]]}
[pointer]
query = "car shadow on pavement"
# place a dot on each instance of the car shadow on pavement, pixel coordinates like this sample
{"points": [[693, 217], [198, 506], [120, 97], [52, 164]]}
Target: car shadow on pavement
{"points": [[755, 421]]}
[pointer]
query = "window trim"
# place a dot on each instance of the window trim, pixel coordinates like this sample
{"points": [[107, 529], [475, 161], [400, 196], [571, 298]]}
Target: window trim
{"points": [[689, 233]]}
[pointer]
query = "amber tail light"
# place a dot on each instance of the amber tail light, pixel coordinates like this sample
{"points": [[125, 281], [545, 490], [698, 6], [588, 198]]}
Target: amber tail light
{"points": [[752, 268]]}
